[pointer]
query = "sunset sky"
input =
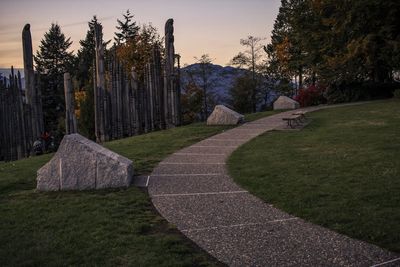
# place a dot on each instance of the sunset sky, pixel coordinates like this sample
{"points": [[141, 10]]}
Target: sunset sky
{"points": [[212, 27]]}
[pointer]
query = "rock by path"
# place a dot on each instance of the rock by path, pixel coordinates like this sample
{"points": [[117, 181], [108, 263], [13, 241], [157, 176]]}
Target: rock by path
{"points": [[192, 190]]}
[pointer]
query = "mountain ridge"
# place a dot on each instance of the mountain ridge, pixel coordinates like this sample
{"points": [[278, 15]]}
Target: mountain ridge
{"points": [[220, 78]]}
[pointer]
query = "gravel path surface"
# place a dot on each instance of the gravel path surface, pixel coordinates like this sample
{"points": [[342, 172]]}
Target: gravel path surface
{"points": [[192, 190]]}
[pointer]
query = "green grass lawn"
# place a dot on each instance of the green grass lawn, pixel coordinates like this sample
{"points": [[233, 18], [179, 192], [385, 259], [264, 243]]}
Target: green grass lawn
{"points": [[104, 228], [342, 171], [258, 115]]}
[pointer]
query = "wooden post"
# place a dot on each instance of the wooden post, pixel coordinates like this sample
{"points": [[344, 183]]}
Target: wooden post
{"points": [[100, 98], [178, 91], [21, 135], [33, 96], [171, 84], [12, 118], [149, 86], [113, 94], [168, 70], [118, 98], [134, 101], [154, 81], [125, 104], [70, 119], [2, 126]]}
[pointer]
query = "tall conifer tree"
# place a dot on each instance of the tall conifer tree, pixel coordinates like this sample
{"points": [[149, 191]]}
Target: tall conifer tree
{"points": [[52, 60], [127, 29]]}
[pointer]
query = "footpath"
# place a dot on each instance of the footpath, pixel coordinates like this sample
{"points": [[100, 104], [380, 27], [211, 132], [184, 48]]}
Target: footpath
{"points": [[192, 190]]}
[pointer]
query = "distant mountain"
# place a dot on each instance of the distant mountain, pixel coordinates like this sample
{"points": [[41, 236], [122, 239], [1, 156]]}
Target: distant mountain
{"points": [[221, 79], [6, 73]]}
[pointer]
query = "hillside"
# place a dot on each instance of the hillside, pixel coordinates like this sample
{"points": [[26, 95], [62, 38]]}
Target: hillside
{"points": [[220, 80]]}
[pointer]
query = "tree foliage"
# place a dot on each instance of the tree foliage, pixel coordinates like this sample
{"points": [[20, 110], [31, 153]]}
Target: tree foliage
{"points": [[241, 94], [127, 29], [192, 103], [335, 42], [136, 52], [52, 60], [202, 77], [251, 59], [85, 80], [86, 55]]}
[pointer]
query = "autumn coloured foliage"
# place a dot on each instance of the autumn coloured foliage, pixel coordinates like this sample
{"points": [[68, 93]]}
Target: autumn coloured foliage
{"points": [[311, 96], [339, 43]]}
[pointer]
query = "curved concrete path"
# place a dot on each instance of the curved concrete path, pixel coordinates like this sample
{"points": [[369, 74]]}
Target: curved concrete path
{"points": [[192, 190]]}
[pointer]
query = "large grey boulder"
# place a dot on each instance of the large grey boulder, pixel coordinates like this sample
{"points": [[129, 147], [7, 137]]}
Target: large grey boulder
{"points": [[81, 164], [224, 116], [284, 102]]}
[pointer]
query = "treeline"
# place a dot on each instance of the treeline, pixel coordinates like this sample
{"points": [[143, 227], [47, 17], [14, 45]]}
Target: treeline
{"points": [[131, 42], [320, 51], [349, 49]]}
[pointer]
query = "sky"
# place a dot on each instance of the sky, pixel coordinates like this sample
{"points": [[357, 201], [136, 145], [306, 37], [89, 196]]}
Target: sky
{"points": [[212, 27]]}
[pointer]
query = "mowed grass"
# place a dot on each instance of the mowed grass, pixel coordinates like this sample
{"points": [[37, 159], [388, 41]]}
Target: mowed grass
{"points": [[103, 228], [147, 150], [258, 115], [342, 171]]}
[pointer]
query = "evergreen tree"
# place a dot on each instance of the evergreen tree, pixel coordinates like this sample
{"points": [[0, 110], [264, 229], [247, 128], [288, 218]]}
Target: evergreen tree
{"points": [[335, 42], [85, 79], [286, 53], [86, 56], [363, 41], [52, 61], [128, 29]]}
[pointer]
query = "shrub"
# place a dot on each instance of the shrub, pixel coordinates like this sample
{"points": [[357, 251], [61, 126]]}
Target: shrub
{"points": [[311, 96], [357, 91]]}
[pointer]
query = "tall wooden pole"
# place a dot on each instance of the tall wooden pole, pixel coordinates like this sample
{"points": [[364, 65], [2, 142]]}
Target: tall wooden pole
{"points": [[22, 150], [33, 94], [134, 100], [168, 71], [70, 119], [171, 78], [100, 97], [178, 91]]}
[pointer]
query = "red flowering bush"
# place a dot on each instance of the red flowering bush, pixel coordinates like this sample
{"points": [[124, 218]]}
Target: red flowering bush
{"points": [[311, 96]]}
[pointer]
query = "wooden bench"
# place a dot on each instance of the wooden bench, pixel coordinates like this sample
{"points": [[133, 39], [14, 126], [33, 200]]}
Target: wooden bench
{"points": [[293, 119], [302, 115]]}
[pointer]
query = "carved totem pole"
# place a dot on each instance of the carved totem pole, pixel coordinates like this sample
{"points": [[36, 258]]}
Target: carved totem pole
{"points": [[171, 84]]}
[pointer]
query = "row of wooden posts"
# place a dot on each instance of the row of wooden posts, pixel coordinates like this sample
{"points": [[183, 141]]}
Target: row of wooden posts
{"points": [[21, 116], [124, 105]]}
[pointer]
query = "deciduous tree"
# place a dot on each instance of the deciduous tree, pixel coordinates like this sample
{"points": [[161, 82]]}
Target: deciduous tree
{"points": [[250, 59]]}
